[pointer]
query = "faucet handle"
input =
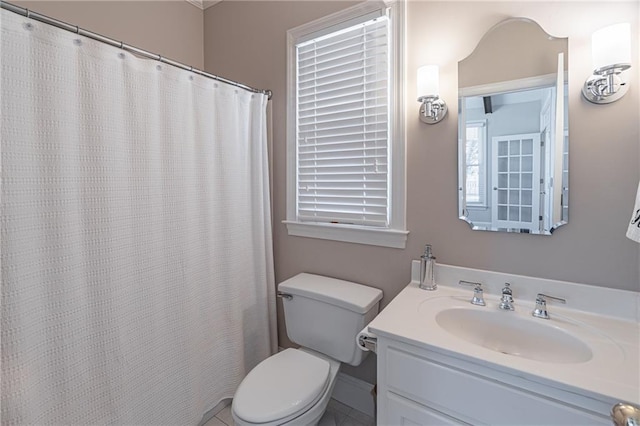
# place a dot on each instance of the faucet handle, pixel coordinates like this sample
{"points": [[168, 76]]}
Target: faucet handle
{"points": [[541, 305], [506, 301], [506, 290], [478, 298]]}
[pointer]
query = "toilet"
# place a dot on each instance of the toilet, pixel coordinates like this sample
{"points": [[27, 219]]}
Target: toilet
{"points": [[293, 387]]}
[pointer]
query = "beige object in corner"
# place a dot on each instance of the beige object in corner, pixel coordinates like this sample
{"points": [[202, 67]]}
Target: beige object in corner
{"points": [[633, 232]]}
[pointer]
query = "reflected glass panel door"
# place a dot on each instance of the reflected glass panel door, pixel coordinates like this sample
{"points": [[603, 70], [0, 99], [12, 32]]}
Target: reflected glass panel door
{"points": [[516, 182]]}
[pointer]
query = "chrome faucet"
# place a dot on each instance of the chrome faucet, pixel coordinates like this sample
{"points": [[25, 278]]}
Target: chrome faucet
{"points": [[427, 269], [506, 301], [541, 305], [478, 298]]}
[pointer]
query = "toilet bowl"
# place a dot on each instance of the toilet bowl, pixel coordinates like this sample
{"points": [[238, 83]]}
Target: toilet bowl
{"points": [[293, 387]]}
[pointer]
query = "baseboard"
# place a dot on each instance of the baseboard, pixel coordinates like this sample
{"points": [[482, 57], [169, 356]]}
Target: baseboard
{"points": [[215, 410], [355, 393]]}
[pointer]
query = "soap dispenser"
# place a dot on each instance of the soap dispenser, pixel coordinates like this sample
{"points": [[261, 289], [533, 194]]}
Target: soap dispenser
{"points": [[427, 269]]}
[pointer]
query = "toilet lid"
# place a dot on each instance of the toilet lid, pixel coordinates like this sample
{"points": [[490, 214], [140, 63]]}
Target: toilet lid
{"points": [[280, 386]]}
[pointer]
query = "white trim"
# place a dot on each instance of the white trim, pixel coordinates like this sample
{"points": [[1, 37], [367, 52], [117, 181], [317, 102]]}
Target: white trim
{"points": [[335, 19], [508, 86], [382, 237], [291, 124], [214, 411], [398, 160], [355, 393], [360, 16], [203, 4], [196, 3], [395, 235]]}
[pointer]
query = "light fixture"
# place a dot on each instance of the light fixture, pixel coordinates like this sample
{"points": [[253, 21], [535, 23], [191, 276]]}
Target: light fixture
{"points": [[611, 55], [432, 108]]}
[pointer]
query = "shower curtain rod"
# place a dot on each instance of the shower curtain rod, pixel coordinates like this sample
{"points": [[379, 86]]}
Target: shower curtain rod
{"points": [[95, 36]]}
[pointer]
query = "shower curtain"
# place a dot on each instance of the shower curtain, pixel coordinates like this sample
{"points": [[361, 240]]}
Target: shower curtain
{"points": [[137, 271]]}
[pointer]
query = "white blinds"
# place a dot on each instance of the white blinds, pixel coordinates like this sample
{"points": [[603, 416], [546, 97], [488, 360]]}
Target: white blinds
{"points": [[343, 126]]}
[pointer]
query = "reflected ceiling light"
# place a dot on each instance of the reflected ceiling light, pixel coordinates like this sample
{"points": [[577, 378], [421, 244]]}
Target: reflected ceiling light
{"points": [[611, 56], [432, 108]]}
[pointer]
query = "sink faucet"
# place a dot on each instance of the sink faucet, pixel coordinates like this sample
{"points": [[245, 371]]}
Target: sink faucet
{"points": [[506, 301], [478, 298], [541, 305], [427, 269]]}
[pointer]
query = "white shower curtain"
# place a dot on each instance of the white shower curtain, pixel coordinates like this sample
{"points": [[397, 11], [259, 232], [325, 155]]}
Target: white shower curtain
{"points": [[137, 271]]}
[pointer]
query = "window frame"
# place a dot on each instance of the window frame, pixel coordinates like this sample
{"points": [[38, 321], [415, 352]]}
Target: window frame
{"points": [[482, 165], [395, 235]]}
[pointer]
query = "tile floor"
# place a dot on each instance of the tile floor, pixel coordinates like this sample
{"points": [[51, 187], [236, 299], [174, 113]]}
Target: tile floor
{"points": [[343, 415]]}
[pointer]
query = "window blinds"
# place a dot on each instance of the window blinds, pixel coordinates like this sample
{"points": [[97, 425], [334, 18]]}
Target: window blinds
{"points": [[343, 126]]}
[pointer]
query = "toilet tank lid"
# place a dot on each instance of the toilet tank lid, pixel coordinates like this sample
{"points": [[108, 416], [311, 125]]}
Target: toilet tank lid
{"points": [[346, 294]]}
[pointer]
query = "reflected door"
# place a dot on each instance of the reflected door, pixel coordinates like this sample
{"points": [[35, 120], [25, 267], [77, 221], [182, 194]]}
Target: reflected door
{"points": [[515, 168]]}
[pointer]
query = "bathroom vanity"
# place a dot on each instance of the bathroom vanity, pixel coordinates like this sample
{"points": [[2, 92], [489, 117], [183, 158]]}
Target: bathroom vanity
{"points": [[443, 360]]}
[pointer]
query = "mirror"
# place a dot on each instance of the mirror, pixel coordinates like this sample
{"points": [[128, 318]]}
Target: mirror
{"points": [[513, 138]]}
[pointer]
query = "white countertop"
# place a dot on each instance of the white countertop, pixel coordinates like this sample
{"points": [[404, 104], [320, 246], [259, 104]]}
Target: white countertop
{"points": [[613, 371]]}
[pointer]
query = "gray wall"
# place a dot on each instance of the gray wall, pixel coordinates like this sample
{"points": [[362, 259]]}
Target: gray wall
{"points": [[173, 29], [604, 151], [247, 40]]}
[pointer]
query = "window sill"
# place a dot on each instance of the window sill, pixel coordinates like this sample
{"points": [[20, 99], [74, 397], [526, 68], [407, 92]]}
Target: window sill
{"points": [[349, 233]]}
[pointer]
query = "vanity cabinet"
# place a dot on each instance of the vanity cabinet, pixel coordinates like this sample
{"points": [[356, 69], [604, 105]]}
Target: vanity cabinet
{"points": [[422, 387]]}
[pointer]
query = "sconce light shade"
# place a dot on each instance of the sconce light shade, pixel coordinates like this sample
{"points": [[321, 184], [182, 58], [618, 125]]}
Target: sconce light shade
{"points": [[611, 56], [611, 45], [432, 108], [428, 80]]}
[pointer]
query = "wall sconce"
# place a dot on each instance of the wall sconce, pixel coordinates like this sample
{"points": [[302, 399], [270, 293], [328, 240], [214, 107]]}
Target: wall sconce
{"points": [[432, 108], [611, 55]]}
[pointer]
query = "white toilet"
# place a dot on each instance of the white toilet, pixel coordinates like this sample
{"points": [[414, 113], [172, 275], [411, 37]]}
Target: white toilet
{"points": [[293, 387]]}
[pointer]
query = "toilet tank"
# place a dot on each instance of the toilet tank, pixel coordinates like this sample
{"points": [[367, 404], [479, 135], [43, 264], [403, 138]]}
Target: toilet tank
{"points": [[326, 314]]}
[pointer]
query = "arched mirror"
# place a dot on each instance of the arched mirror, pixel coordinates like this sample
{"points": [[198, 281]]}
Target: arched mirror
{"points": [[513, 134]]}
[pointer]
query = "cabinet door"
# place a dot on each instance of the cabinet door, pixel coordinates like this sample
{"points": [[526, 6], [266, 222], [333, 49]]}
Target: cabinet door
{"points": [[474, 398], [402, 411]]}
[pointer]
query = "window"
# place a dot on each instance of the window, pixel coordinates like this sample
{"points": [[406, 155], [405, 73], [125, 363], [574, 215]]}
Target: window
{"points": [[476, 173], [345, 138]]}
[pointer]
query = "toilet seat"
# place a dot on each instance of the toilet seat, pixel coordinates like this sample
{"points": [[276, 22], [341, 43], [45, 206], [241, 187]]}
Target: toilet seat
{"points": [[281, 387]]}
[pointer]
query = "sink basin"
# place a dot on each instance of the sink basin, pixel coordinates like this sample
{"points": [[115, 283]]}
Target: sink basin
{"points": [[505, 332]]}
